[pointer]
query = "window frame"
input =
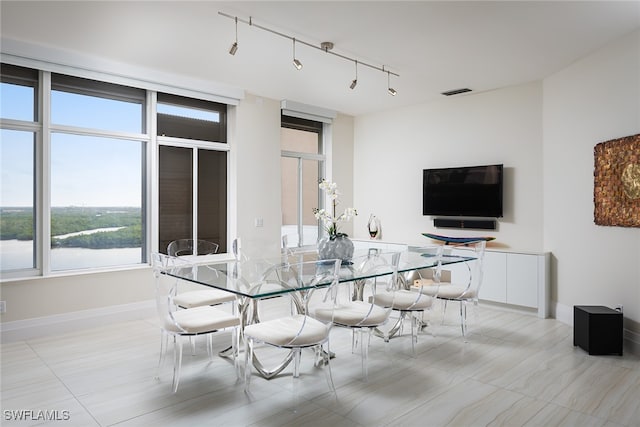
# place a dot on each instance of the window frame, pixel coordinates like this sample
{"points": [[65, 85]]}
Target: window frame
{"points": [[321, 130], [43, 128]]}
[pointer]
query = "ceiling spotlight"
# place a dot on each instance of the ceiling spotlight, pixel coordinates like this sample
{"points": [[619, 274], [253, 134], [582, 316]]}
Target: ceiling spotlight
{"points": [[234, 46], [391, 90], [326, 47], [296, 63], [355, 81]]}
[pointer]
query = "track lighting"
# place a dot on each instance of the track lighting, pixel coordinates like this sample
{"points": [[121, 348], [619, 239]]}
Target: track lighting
{"points": [[355, 81], [324, 46], [234, 46], [296, 63], [391, 90]]}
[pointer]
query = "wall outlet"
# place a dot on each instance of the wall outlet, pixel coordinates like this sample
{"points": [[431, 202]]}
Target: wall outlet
{"points": [[259, 222], [3, 307]]}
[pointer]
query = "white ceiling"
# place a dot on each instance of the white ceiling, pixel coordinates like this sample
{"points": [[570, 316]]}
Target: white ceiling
{"points": [[433, 46]]}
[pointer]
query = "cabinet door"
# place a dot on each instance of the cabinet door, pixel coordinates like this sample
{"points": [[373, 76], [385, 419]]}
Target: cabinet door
{"points": [[494, 278], [522, 280]]}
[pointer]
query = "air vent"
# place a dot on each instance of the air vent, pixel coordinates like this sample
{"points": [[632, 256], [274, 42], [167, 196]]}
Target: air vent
{"points": [[456, 91]]}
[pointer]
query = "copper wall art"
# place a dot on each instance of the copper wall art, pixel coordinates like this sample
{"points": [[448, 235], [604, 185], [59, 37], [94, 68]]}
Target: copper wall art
{"points": [[616, 184]]}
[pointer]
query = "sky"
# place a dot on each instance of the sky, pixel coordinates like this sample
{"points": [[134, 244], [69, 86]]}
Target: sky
{"points": [[85, 170]]}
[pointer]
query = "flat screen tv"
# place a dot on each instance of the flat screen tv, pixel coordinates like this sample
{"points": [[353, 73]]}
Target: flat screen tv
{"points": [[470, 191]]}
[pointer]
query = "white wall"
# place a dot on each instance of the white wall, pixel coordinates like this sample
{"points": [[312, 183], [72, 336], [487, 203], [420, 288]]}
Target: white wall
{"points": [[544, 133], [342, 155], [594, 100], [392, 148], [256, 136]]}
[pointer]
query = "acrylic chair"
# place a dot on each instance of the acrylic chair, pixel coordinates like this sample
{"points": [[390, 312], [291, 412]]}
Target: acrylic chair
{"points": [[192, 249], [407, 303], [195, 247], [289, 326], [177, 323], [463, 290], [355, 308]]}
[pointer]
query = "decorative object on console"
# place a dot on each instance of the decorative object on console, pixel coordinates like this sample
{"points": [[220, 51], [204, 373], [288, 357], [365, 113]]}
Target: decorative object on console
{"points": [[335, 245], [616, 183], [458, 240], [374, 227]]}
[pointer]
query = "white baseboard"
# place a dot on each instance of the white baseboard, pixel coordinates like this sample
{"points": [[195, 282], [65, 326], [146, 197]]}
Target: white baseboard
{"points": [[21, 330], [564, 314]]}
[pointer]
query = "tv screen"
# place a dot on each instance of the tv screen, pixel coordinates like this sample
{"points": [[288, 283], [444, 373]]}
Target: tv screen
{"points": [[473, 191]]}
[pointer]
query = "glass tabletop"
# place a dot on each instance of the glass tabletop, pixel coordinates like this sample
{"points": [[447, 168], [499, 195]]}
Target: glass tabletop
{"points": [[240, 277]]}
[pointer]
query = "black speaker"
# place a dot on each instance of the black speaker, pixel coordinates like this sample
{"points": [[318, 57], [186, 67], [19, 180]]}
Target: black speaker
{"points": [[476, 224]]}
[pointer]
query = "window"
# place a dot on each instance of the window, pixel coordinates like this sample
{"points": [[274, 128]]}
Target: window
{"points": [[75, 178], [18, 112], [17, 224], [192, 170], [302, 166], [97, 182], [96, 202]]}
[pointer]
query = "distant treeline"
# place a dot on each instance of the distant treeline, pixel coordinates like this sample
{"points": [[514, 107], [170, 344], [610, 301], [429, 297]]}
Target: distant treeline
{"points": [[17, 223]]}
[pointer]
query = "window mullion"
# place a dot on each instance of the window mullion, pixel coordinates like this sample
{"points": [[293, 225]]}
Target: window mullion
{"points": [[300, 155], [300, 204], [43, 207], [190, 143], [195, 193], [152, 199], [96, 132]]}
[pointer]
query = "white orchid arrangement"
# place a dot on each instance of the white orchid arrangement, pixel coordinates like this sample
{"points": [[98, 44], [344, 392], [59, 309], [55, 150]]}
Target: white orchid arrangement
{"points": [[330, 219]]}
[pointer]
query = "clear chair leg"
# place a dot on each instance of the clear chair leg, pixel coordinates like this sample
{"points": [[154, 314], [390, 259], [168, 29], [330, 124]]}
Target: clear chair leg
{"points": [[463, 319], [235, 346], [414, 332], [296, 362], [210, 346], [364, 350], [327, 368], [444, 309], [177, 361], [164, 342], [248, 356]]}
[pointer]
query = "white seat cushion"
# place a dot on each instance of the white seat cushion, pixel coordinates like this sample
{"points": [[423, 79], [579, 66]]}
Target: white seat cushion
{"points": [[293, 331], [449, 291], [355, 313], [403, 300], [200, 320], [204, 297]]}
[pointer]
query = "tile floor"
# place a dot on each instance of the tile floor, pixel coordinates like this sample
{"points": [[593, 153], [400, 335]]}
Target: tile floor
{"points": [[515, 370]]}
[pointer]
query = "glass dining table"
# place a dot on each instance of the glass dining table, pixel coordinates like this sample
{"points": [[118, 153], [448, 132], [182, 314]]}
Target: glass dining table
{"points": [[239, 276]]}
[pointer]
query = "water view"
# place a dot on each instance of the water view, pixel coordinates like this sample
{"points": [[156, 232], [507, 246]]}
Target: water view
{"points": [[17, 254], [83, 237]]}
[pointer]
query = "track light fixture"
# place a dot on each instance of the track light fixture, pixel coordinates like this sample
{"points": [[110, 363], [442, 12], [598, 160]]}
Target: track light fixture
{"points": [[391, 90], [324, 46], [355, 81], [296, 63], [234, 46]]}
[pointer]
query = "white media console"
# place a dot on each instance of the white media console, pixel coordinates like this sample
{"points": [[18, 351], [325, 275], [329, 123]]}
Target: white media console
{"points": [[510, 277]]}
